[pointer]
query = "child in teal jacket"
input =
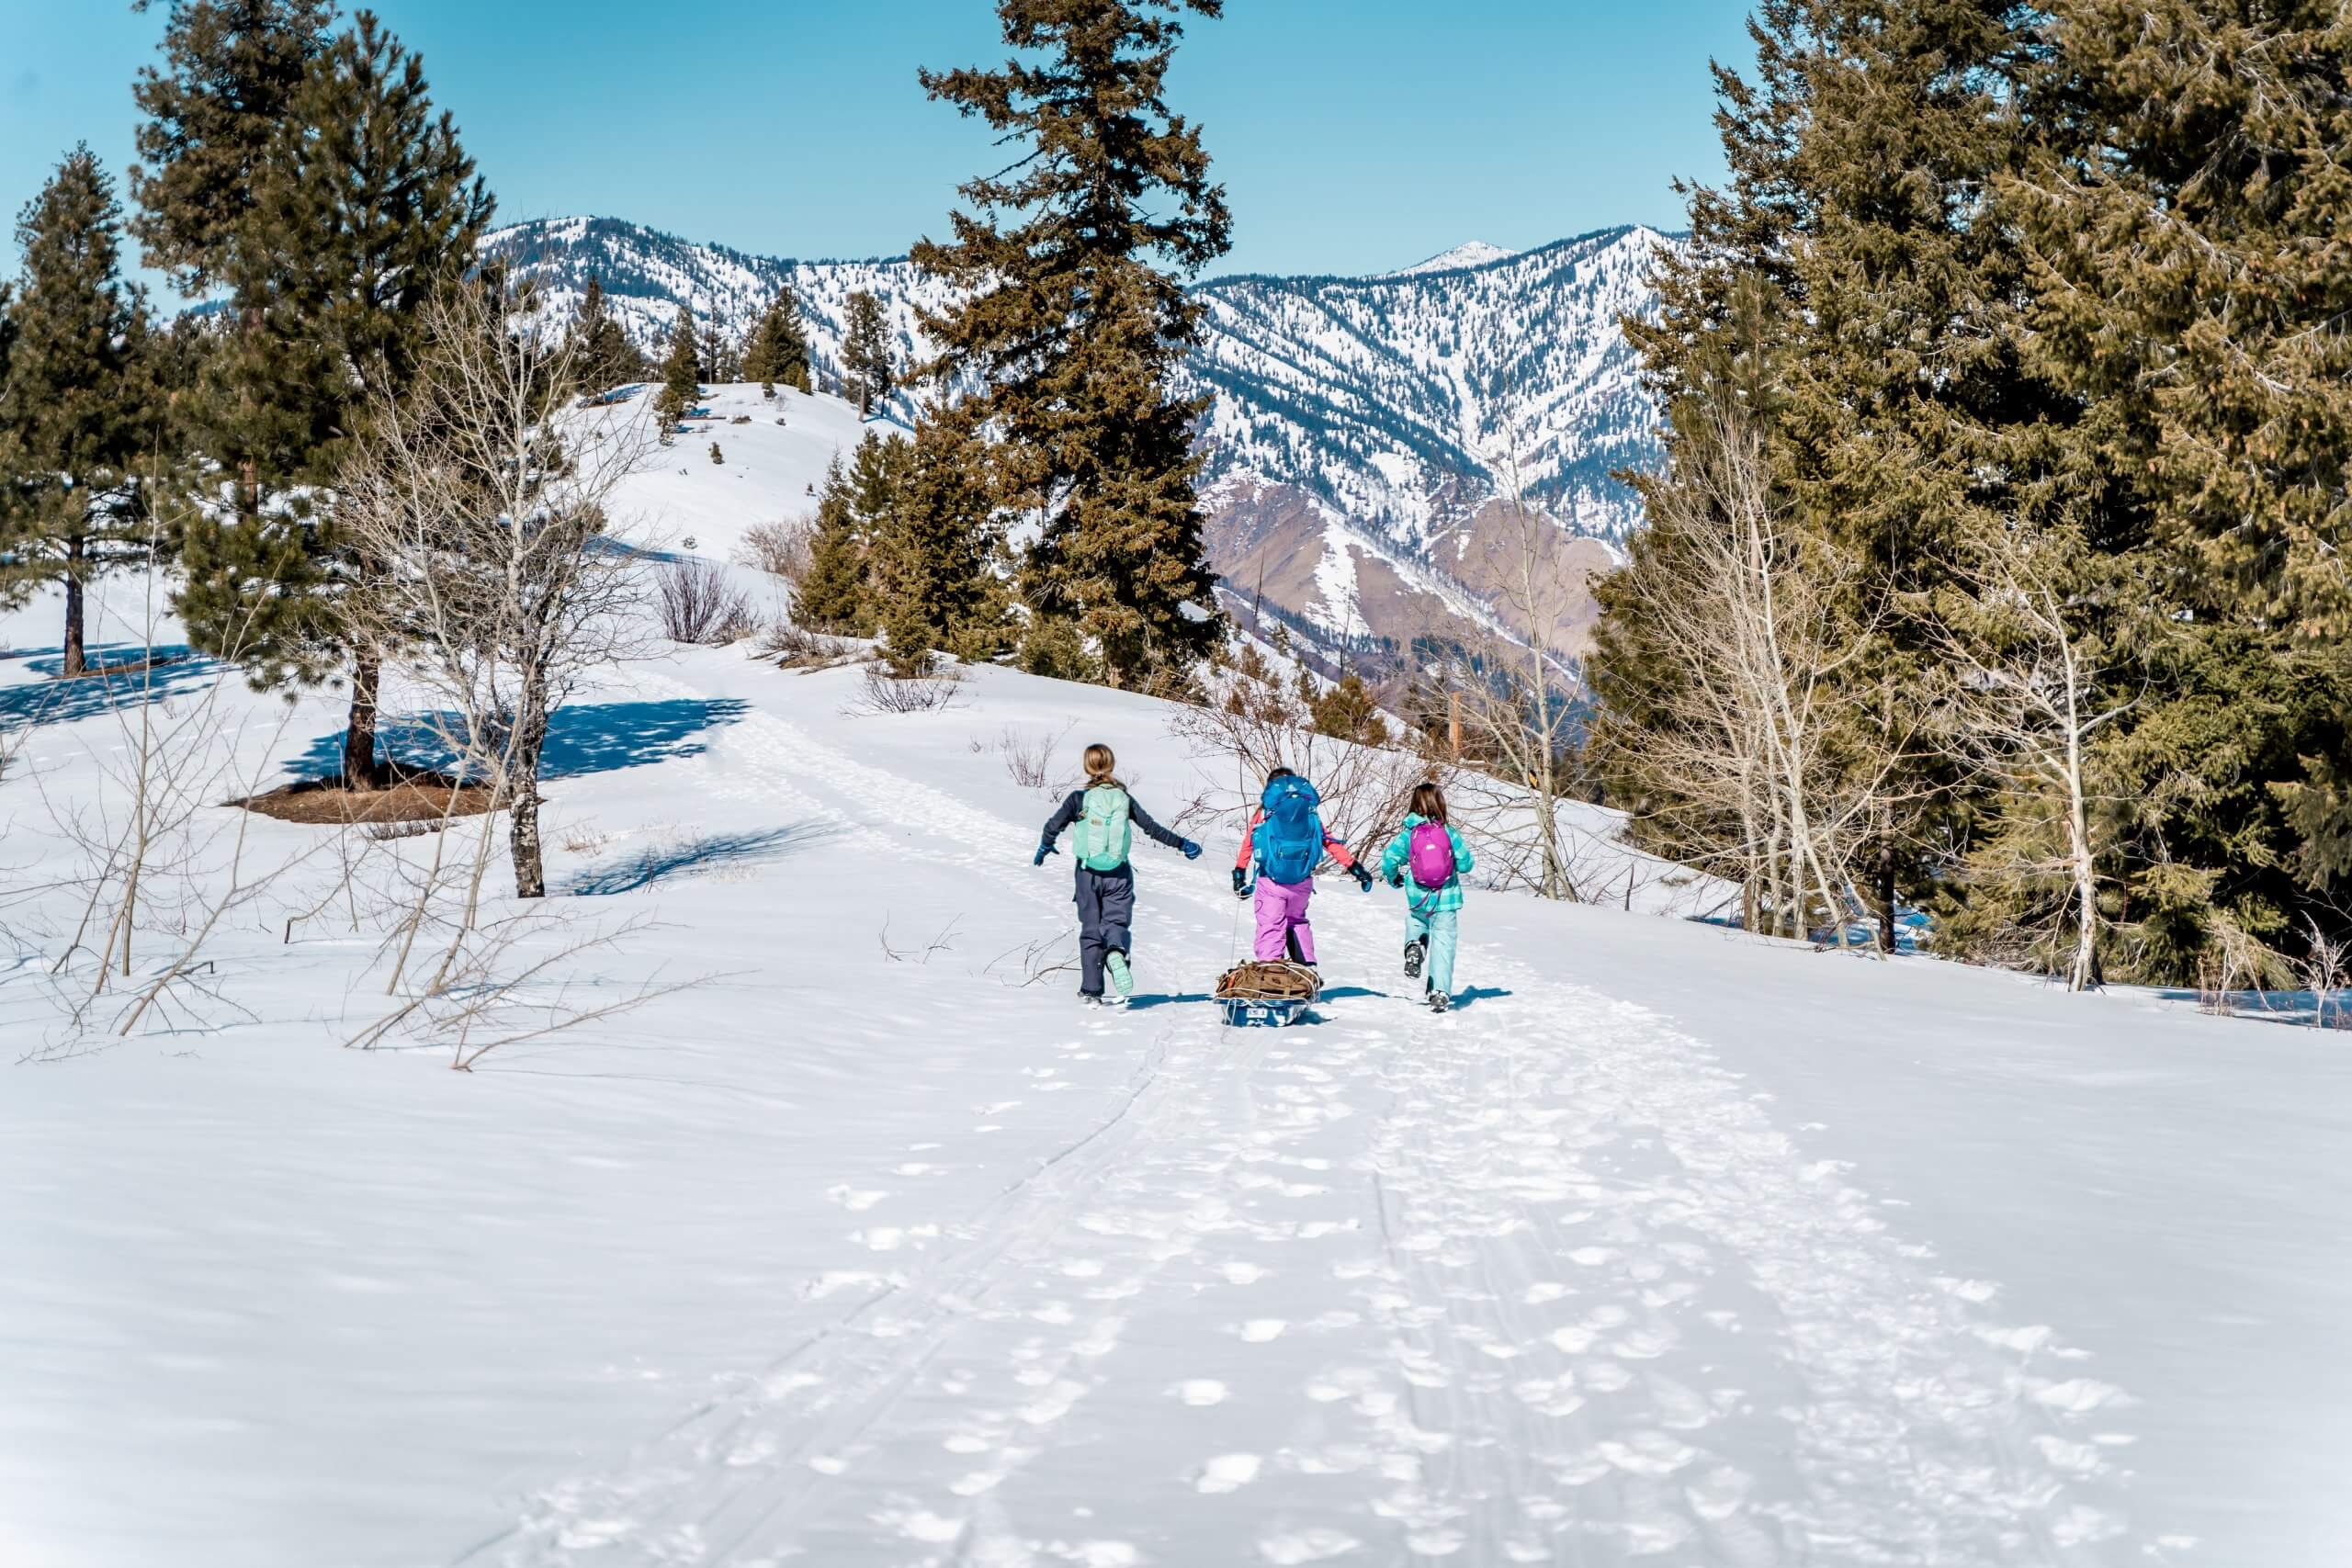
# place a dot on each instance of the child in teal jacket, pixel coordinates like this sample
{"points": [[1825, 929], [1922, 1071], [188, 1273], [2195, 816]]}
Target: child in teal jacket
{"points": [[1431, 913]]}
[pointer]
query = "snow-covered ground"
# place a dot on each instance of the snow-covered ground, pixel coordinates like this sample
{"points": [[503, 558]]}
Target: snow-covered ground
{"points": [[869, 1248], [774, 465]]}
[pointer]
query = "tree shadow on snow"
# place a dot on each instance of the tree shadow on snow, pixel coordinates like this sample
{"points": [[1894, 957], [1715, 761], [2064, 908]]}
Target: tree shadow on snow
{"points": [[585, 738], [714, 851], [120, 678]]}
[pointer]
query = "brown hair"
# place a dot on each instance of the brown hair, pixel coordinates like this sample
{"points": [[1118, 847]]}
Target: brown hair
{"points": [[1429, 801], [1099, 764]]}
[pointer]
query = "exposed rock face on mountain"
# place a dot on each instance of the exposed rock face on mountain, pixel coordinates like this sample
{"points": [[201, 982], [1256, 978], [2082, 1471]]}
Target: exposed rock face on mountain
{"points": [[1362, 429]]}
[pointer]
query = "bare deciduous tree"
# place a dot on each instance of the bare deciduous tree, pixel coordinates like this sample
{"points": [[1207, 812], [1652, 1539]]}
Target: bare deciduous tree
{"points": [[1257, 720], [485, 502], [2025, 684], [1763, 774]]}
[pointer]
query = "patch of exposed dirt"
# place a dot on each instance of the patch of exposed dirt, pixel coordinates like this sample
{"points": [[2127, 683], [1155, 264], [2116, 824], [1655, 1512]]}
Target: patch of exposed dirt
{"points": [[402, 797]]}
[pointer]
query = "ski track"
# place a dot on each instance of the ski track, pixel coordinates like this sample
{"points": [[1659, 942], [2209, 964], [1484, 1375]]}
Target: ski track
{"points": [[1570, 1290]]}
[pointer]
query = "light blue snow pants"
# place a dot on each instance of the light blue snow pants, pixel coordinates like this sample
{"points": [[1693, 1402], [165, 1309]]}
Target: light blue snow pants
{"points": [[1440, 927]]}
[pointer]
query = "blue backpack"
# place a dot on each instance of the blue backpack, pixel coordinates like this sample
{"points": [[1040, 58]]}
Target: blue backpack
{"points": [[1290, 841]]}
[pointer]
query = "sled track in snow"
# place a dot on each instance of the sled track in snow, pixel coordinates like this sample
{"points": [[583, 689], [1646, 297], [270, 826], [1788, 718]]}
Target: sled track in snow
{"points": [[1552, 1287]]}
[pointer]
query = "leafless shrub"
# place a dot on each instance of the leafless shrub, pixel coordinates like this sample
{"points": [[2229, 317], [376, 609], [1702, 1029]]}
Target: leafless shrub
{"points": [[945, 942], [797, 647], [2235, 961], [1033, 961], [585, 838], [698, 603], [885, 693], [2325, 969], [162, 871], [514, 980], [780, 550], [1255, 721], [1029, 758]]}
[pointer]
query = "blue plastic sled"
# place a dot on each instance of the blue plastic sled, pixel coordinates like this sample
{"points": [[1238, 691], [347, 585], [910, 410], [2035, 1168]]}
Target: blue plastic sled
{"points": [[1241, 1012]]}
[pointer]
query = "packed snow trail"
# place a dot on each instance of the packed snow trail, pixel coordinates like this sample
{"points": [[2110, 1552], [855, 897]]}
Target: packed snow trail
{"points": [[1532, 1282]]}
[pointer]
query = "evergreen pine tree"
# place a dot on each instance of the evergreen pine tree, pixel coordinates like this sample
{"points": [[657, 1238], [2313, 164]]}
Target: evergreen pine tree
{"points": [[232, 69], [364, 206], [934, 537], [681, 372], [1072, 316], [721, 362], [778, 350], [833, 595], [866, 352], [1861, 229], [2191, 169], [78, 414], [607, 357]]}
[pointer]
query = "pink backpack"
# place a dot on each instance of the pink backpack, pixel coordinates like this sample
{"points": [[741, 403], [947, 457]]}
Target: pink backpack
{"points": [[1431, 854]]}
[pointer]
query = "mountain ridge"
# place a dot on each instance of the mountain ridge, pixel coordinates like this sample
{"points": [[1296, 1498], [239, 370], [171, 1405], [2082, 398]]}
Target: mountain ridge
{"points": [[1366, 425]]}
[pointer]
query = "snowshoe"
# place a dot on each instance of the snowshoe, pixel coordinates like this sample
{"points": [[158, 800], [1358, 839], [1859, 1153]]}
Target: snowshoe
{"points": [[1439, 1001], [1415, 951], [1123, 980]]}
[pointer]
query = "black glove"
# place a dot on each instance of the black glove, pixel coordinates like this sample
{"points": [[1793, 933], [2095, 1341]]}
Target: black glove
{"points": [[1240, 883], [1398, 880], [1192, 850], [1363, 877], [1044, 850]]}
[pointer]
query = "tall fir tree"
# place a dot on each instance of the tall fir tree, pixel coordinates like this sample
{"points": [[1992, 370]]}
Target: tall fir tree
{"points": [[80, 425], [935, 543], [364, 205], [1071, 314], [832, 594], [866, 352], [2192, 165], [778, 350], [720, 360], [231, 74], [607, 357], [681, 372]]}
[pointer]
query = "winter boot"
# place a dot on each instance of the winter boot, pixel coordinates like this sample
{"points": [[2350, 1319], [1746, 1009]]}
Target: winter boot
{"points": [[1089, 1000], [1415, 951], [1123, 981], [1439, 1001]]}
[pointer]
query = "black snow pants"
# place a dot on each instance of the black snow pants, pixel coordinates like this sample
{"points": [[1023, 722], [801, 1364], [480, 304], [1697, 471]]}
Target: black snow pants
{"points": [[1107, 903]]}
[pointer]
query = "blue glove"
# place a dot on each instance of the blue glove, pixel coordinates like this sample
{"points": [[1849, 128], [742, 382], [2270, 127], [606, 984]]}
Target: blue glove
{"points": [[1192, 850], [1363, 877], [1044, 850], [1242, 888]]}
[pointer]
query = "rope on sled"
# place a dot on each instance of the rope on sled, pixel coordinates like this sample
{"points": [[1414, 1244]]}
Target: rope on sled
{"points": [[1263, 981]]}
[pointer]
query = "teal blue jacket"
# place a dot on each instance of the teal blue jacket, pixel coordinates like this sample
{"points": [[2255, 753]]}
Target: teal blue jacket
{"points": [[1394, 861]]}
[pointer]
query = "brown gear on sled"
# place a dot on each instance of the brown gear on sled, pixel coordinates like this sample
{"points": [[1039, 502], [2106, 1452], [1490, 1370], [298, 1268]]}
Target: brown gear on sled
{"points": [[1269, 981]]}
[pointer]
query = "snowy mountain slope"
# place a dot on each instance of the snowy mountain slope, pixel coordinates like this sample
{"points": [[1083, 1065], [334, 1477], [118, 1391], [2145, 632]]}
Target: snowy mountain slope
{"points": [[1670, 1245], [1470, 252], [1377, 416], [775, 465]]}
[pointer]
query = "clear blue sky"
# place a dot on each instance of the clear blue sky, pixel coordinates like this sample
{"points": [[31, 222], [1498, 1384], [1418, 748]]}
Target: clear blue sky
{"points": [[1352, 135]]}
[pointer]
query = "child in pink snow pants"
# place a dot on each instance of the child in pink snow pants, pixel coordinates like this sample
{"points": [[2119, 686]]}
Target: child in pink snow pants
{"points": [[1283, 930]]}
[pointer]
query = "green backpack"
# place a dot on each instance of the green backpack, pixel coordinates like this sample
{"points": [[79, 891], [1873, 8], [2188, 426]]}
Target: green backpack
{"points": [[1104, 836]]}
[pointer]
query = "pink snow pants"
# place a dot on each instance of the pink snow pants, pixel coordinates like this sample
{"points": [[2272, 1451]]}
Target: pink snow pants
{"points": [[1282, 918]]}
